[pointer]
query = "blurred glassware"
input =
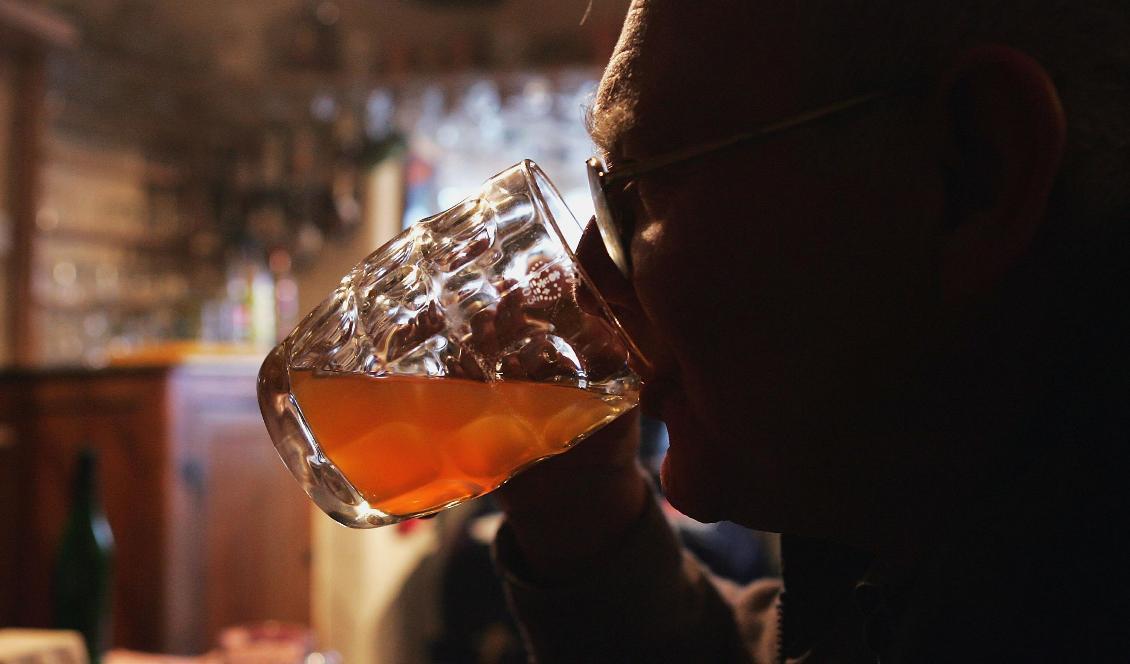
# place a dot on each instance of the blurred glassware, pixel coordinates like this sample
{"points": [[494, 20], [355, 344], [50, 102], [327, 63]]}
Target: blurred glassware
{"points": [[494, 121]]}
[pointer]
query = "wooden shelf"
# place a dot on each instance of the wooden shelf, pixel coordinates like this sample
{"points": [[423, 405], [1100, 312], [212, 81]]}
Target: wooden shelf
{"points": [[109, 305], [27, 34], [178, 242]]}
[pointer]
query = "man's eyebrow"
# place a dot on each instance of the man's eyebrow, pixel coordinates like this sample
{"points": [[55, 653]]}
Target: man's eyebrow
{"points": [[596, 130], [606, 126]]}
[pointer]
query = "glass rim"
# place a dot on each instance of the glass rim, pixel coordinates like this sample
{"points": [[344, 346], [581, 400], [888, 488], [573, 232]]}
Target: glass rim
{"points": [[538, 182]]}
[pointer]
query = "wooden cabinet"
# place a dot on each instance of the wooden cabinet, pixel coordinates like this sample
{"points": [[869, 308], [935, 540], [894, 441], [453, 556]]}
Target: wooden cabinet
{"points": [[210, 528]]}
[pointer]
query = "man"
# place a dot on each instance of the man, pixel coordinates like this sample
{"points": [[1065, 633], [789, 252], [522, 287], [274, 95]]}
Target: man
{"points": [[891, 328]]}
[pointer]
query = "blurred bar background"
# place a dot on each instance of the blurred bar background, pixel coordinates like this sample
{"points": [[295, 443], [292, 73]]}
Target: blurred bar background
{"points": [[191, 158], [179, 182]]}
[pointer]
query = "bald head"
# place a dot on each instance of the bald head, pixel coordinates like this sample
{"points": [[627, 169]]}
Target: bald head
{"points": [[716, 67], [1082, 45], [688, 72]]}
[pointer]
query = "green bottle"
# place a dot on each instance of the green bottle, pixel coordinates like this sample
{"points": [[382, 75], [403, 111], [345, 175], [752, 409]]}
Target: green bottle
{"points": [[81, 589]]}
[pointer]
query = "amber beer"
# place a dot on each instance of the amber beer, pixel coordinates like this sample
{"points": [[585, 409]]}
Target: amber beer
{"points": [[413, 445]]}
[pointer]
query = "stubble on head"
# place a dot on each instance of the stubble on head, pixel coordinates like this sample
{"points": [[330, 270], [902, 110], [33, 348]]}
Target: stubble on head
{"points": [[612, 112]]}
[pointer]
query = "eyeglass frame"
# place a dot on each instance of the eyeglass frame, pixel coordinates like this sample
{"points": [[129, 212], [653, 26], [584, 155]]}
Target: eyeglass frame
{"points": [[616, 238]]}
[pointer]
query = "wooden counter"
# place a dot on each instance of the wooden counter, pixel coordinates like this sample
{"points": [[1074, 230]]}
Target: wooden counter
{"points": [[210, 528]]}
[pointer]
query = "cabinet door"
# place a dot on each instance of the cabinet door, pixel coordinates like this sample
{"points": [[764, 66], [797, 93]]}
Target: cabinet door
{"points": [[122, 416], [14, 484], [254, 520]]}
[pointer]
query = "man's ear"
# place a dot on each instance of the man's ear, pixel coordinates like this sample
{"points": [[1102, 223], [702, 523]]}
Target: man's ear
{"points": [[1003, 131]]}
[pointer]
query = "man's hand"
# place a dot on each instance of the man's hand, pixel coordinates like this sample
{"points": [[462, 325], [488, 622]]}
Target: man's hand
{"points": [[566, 510]]}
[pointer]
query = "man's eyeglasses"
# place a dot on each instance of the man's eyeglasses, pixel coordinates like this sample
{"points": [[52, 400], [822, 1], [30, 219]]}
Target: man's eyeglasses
{"points": [[609, 188]]}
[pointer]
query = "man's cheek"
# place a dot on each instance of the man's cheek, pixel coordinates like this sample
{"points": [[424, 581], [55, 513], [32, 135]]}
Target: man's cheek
{"points": [[687, 329]]}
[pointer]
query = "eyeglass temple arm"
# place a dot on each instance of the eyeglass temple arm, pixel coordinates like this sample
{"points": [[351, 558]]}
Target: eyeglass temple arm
{"points": [[633, 170]]}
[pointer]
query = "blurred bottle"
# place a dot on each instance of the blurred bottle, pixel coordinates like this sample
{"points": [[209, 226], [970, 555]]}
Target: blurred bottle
{"points": [[262, 306], [251, 299], [237, 305], [82, 576], [286, 292]]}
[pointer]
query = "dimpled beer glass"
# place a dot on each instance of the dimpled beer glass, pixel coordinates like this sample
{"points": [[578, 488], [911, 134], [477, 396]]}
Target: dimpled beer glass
{"points": [[448, 360]]}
